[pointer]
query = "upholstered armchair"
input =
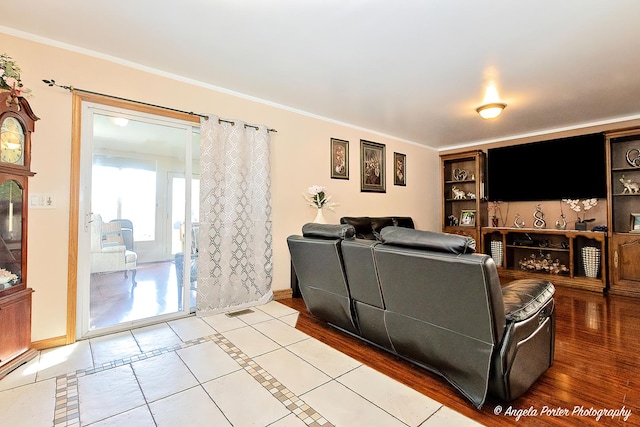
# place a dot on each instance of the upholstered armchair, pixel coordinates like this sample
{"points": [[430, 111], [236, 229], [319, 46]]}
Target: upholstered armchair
{"points": [[109, 252]]}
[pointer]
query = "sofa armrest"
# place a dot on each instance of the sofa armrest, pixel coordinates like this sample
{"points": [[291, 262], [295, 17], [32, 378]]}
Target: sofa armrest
{"points": [[525, 297]]}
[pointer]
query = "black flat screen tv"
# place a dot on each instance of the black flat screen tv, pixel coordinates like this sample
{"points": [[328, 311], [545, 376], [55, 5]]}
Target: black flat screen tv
{"points": [[566, 168]]}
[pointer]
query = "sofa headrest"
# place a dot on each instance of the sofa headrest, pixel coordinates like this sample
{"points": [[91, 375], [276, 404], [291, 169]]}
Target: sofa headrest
{"points": [[439, 242], [328, 231], [362, 225]]}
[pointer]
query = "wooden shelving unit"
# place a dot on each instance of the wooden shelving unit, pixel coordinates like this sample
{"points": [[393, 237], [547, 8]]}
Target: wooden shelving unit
{"points": [[558, 253], [463, 173], [623, 205]]}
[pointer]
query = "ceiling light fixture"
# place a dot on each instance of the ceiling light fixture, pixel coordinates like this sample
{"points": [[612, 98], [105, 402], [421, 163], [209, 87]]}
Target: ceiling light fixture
{"points": [[491, 111], [492, 106]]}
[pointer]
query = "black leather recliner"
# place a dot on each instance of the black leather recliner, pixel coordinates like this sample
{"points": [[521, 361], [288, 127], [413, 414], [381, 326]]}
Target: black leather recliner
{"points": [[318, 264], [428, 298]]}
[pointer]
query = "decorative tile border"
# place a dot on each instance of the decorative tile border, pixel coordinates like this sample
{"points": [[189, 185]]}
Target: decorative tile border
{"points": [[67, 402], [293, 403], [66, 408]]}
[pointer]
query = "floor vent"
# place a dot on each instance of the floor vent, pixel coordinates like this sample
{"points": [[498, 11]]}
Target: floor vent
{"points": [[239, 312]]}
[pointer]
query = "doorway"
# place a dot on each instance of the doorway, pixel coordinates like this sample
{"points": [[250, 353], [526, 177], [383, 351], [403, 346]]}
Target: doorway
{"points": [[137, 217]]}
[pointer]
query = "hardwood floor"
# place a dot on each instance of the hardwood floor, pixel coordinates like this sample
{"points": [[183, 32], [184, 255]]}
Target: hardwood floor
{"points": [[113, 299], [596, 365]]}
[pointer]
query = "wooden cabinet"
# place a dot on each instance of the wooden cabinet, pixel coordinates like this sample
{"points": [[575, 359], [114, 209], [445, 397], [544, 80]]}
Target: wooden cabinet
{"points": [[15, 324], [623, 205], [16, 125], [564, 257], [463, 204]]}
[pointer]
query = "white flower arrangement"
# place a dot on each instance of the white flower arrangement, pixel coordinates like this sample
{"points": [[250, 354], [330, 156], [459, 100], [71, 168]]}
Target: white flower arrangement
{"points": [[587, 204], [10, 76], [317, 198], [6, 276]]}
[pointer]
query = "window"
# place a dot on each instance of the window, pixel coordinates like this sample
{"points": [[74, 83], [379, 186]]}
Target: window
{"points": [[125, 192]]}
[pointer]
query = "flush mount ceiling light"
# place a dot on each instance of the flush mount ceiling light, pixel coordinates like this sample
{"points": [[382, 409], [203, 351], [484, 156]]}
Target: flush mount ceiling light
{"points": [[491, 111], [492, 107]]}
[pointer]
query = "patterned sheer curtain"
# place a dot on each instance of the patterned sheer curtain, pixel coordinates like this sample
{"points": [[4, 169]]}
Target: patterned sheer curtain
{"points": [[235, 255]]}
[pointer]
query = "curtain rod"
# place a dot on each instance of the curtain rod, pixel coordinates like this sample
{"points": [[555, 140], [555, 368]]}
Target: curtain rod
{"points": [[52, 82]]}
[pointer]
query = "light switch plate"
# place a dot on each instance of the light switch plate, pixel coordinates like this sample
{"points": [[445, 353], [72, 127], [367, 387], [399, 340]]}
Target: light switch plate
{"points": [[42, 201]]}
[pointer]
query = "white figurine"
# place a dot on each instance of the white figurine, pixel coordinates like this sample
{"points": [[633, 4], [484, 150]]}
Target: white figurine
{"points": [[631, 187], [458, 193]]}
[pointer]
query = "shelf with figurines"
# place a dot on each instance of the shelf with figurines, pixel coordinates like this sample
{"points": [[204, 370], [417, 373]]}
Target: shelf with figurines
{"points": [[623, 160], [573, 258], [463, 193]]}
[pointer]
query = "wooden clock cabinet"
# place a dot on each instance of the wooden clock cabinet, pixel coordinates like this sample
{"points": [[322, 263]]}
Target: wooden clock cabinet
{"points": [[16, 126]]}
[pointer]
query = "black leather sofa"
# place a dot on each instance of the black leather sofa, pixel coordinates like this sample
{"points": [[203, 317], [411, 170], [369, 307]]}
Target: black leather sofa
{"points": [[428, 298], [369, 227]]}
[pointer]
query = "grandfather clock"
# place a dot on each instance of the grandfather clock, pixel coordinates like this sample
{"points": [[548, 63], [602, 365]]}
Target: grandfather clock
{"points": [[16, 125]]}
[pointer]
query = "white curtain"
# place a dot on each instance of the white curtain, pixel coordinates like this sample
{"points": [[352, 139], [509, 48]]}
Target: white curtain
{"points": [[235, 256]]}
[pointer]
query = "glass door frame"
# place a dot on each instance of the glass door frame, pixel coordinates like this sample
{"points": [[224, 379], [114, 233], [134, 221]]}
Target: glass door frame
{"points": [[85, 105]]}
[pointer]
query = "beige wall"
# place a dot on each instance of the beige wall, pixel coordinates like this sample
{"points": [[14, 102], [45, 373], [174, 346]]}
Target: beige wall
{"points": [[300, 158]]}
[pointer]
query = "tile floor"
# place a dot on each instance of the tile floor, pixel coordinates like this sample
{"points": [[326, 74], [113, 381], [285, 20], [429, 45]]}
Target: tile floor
{"points": [[254, 369]]}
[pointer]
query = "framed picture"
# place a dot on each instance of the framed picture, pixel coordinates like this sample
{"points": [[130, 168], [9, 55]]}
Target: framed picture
{"points": [[339, 159], [400, 168], [372, 167], [468, 218], [635, 222]]}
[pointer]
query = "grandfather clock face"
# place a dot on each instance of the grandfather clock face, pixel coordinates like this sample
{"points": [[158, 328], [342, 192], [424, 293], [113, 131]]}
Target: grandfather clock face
{"points": [[11, 141]]}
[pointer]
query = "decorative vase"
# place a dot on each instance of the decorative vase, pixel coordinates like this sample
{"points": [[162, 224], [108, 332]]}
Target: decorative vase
{"points": [[581, 226], [320, 217], [497, 252], [591, 261]]}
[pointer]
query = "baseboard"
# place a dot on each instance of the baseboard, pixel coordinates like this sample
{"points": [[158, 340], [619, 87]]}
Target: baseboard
{"points": [[50, 343], [62, 340], [17, 361], [282, 294]]}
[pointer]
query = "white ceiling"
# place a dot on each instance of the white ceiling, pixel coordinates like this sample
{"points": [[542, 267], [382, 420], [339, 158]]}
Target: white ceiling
{"points": [[412, 69]]}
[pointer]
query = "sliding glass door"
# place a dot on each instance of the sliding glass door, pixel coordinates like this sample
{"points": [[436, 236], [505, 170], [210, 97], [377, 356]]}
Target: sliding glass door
{"points": [[137, 213]]}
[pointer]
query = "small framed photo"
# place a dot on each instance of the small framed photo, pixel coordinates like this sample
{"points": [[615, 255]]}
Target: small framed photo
{"points": [[468, 218], [635, 222], [339, 159], [372, 167], [400, 168]]}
